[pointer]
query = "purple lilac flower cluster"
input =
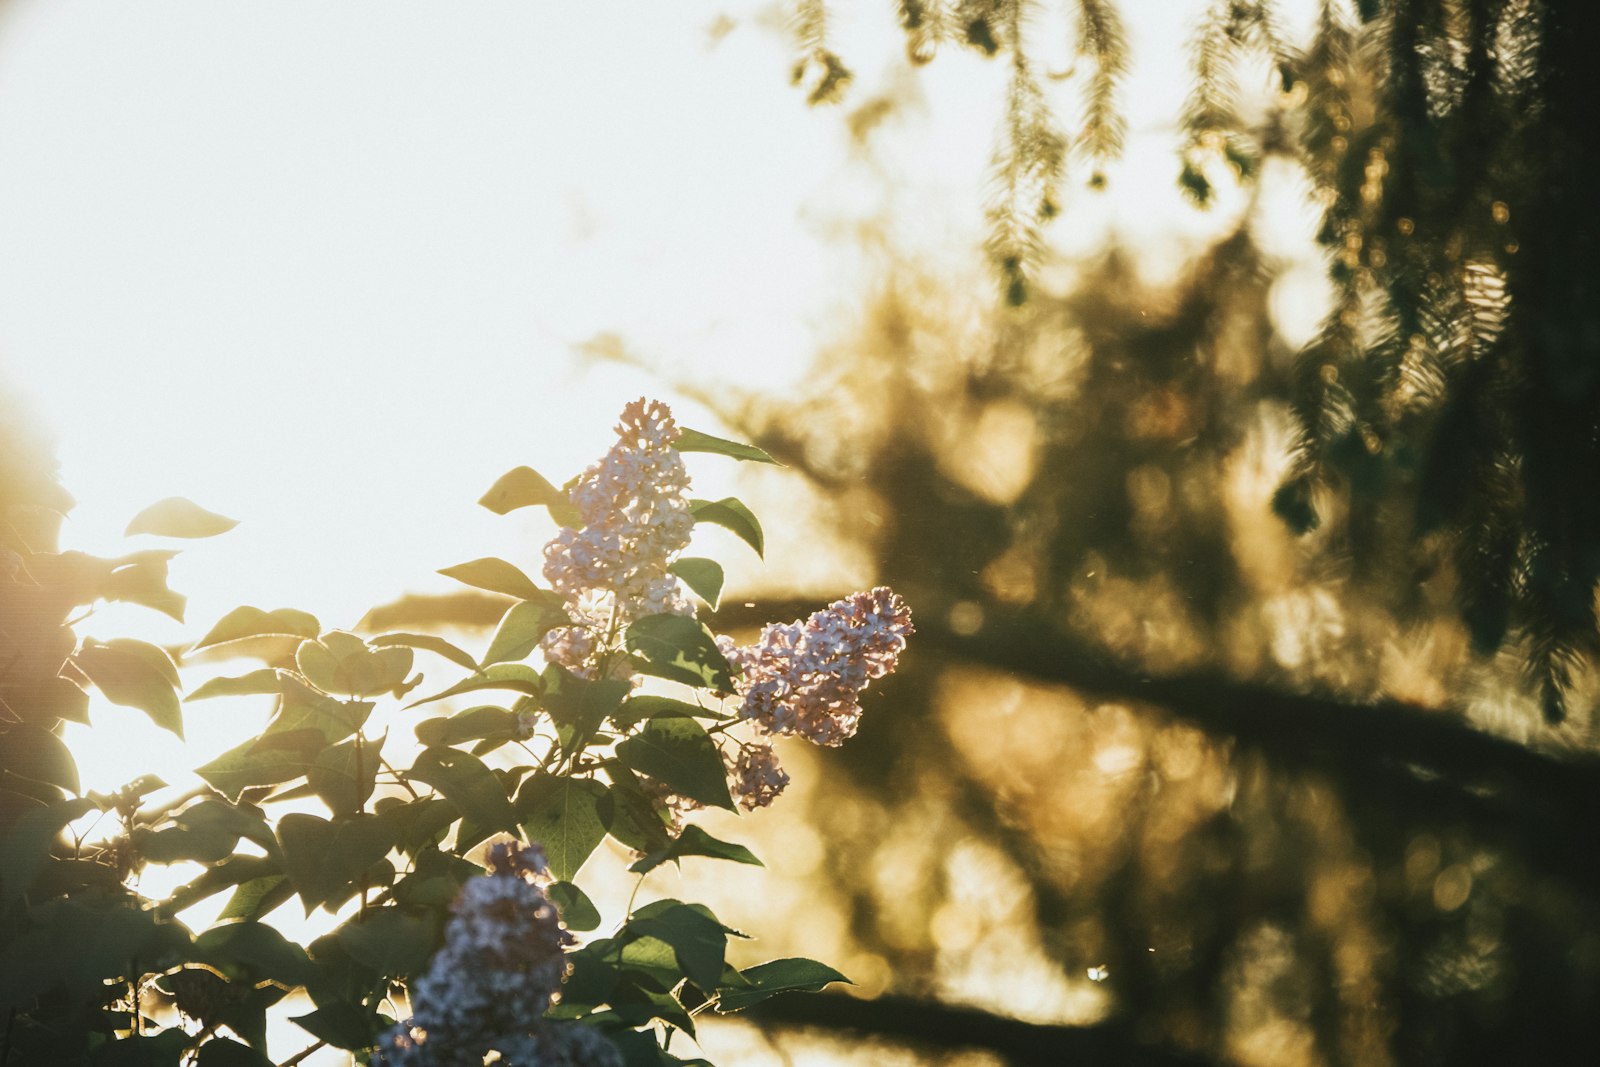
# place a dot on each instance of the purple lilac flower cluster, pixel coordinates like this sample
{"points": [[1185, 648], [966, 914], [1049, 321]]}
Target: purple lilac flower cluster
{"points": [[754, 777], [806, 678], [634, 507], [488, 988]]}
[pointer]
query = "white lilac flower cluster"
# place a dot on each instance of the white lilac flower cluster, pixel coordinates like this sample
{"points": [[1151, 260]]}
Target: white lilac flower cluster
{"points": [[806, 678], [634, 506], [488, 988]]}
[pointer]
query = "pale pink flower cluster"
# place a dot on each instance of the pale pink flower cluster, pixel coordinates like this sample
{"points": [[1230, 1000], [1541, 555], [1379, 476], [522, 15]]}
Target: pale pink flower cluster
{"points": [[488, 988], [806, 678], [754, 777], [634, 506]]}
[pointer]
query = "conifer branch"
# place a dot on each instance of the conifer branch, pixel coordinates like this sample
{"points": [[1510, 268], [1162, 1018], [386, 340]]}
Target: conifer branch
{"points": [[830, 77], [1028, 170], [1101, 40]]}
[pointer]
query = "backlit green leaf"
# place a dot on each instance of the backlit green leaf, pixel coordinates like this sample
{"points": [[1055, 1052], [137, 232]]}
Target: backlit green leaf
{"points": [[38, 755], [495, 575], [696, 842], [392, 941], [695, 441], [516, 677], [681, 649], [731, 514], [778, 976], [428, 642], [266, 680], [323, 859], [246, 621], [647, 706], [25, 850], [704, 576], [698, 940], [526, 487], [343, 664], [568, 817], [177, 517], [253, 950], [681, 755], [466, 783], [470, 725], [577, 910], [134, 674], [523, 625]]}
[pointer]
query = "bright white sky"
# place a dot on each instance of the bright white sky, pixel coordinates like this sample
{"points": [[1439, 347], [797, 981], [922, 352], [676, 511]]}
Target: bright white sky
{"points": [[322, 266]]}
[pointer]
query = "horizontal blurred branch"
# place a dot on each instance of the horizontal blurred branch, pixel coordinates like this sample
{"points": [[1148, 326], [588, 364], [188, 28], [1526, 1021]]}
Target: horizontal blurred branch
{"points": [[1430, 762], [934, 1025]]}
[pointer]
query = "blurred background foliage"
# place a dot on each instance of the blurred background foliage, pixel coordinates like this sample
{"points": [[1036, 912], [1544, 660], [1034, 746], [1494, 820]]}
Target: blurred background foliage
{"points": [[1251, 715]]}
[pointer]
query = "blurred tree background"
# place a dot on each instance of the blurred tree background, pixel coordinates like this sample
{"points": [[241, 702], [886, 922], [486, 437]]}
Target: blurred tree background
{"points": [[1251, 716]]}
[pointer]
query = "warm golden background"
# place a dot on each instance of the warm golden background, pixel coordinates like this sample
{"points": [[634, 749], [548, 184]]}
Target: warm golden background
{"points": [[1158, 778]]}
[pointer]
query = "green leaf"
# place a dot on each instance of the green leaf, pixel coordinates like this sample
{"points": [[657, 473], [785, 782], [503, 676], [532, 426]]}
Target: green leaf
{"points": [[681, 755], [38, 755], [696, 842], [205, 845], [344, 776], [636, 1004], [253, 950], [704, 576], [257, 897], [248, 765], [568, 817], [158, 1050], [241, 821], [524, 625], [636, 821], [178, 517], [341, 663], [639, 708], [495, 575], [580, 706], [435, 880], [266, 680], [226, 1052], [525, 487], [231, 872], [695, 441], [304, 708], [324, 858], [392, 941], [577, 910], [470, 725], [731, 514], [516, 677], [135, 674], [141, 578], [429, 643], [681, 649], [466, 783], [778, 976], [244, 622], [699, 942], [344, 1025], [25, 850]]}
